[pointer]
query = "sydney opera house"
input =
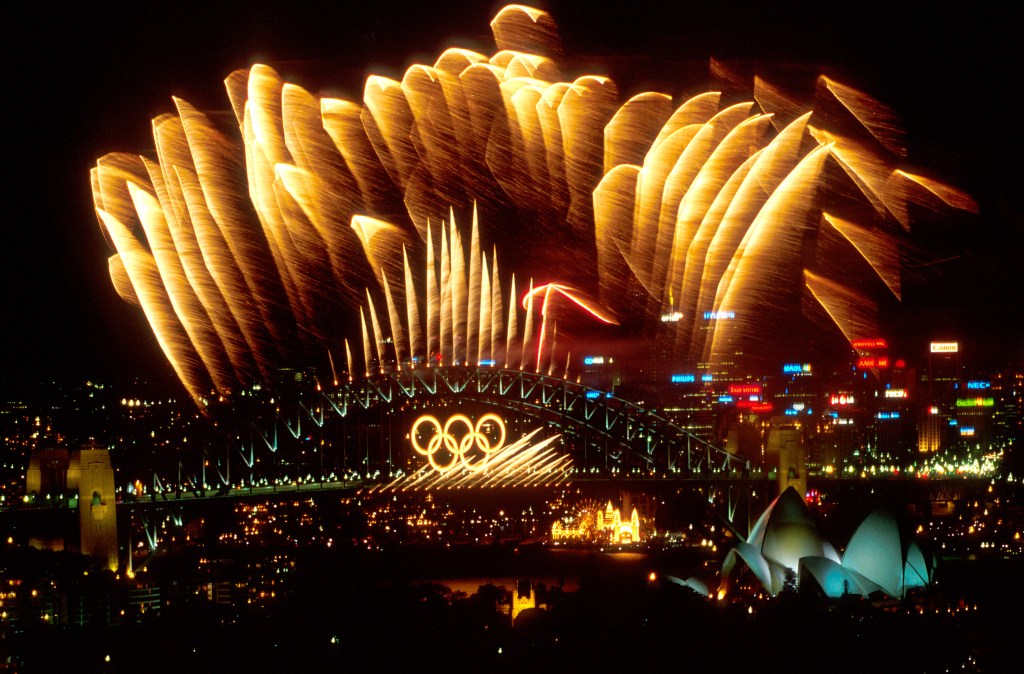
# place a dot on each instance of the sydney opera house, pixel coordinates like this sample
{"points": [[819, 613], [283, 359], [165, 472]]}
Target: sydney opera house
{"points": [[784, 544], [489, 207]]}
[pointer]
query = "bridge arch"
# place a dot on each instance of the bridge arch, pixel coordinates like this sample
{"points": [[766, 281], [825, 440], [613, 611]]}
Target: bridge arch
{"points": [[369, 416]]}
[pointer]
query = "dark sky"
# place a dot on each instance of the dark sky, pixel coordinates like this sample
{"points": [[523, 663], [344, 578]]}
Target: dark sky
{"points": [[79, 83]]}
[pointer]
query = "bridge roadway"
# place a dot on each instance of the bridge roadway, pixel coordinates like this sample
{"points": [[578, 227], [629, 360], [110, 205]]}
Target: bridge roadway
{"points": [[214, 493], [954, 489], [172, 497]]}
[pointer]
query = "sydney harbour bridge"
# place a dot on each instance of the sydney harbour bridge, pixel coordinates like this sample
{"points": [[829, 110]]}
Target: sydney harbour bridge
{"points": [[716, 225], [373, 432], [406, 432]]}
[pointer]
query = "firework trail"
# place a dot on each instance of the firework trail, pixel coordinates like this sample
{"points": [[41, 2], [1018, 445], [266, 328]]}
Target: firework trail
{"points": [[253, 245]]}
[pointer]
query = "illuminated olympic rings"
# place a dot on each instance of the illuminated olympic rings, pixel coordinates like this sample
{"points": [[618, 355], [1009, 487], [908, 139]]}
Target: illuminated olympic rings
{"points": [[459, 449]]}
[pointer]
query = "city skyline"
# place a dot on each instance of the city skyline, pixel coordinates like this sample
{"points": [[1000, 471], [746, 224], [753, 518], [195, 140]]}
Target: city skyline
{"points": [[68, 320], [248, 500]]}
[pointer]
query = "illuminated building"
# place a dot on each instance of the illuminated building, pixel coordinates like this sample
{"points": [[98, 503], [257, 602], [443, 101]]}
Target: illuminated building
{"points": [[605, 525], [944, 366], [614, 529], [891, 417], [786, 446], [564, 532], [783, 535], [524, 596], [47, 472], [91, 474], [930, 430], [87, 478], [842, 434], [1009, 415], [798, 397], [600, 372], [944, 374], [784, 545], [796, 390], [689, 400], [975, 420], [889, 435], [877, 559]]}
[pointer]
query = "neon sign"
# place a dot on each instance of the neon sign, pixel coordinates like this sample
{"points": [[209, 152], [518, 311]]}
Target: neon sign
{"points": [[872, 363], [744, 389], [841, 399], [719, 315], [796, 368], [682, 378], [754, 406], [975, 402], [895, 393], [876, 343], [945, 347], [979, 384], [593, 360]]}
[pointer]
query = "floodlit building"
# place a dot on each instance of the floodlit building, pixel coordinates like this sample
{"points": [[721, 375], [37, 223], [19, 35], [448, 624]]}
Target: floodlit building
{"points": [[93, 476], [929, 430], [786, 449], [784, 544], [85, 474], [47, 472], [524, 596], [601, 526], [876, 560], [611, 525]]}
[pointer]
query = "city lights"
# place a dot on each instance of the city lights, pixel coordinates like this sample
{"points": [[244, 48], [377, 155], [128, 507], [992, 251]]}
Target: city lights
{"points": [[477, 335]]}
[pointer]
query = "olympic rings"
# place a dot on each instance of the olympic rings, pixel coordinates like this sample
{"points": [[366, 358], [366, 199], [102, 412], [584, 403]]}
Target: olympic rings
{"points": [[472, 437]]}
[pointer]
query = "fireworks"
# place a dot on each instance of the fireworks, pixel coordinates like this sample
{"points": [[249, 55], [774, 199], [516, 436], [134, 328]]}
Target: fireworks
{"points": [[474, 455], [255, 244]]}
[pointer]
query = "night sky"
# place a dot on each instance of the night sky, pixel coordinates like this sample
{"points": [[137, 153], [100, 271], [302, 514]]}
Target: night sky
{"points": [[79, 83]]}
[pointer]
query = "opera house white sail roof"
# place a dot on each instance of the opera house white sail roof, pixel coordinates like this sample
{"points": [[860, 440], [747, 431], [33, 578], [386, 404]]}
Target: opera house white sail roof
{"points": [[878, 559]]}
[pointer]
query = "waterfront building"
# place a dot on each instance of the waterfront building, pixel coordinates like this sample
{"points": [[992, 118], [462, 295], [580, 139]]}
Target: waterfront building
{"points": [[87, 478], [93, 476], [612, 527], [785, 550]]}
